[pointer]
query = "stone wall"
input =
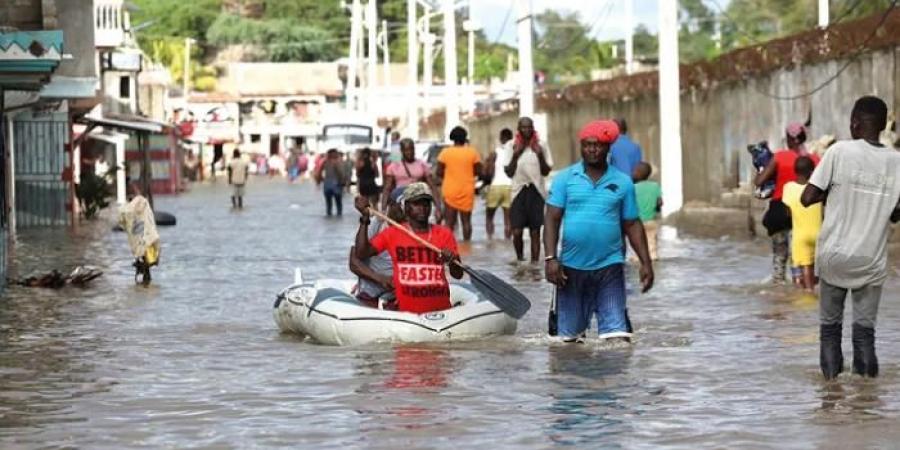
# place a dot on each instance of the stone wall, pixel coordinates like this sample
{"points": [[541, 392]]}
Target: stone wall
{"points": [[729, 103]]}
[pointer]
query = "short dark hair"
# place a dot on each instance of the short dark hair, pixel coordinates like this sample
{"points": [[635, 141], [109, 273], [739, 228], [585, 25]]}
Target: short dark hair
{"points": [[623, 125], [459, 135], [236, 153], [804, 166], [871, 109], [506, 134], [407, 142]]}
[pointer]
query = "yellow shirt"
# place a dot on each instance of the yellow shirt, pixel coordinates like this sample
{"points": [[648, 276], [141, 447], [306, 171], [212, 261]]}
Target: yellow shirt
{"points": [[806, 220], [459, 176]]}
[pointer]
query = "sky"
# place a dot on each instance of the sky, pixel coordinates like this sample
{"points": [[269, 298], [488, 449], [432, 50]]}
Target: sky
{"points": [[607, 16]]}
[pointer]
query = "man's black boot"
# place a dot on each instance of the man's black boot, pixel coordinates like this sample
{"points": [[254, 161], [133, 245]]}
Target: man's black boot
{"points": [[865, 362], [831, 359]]}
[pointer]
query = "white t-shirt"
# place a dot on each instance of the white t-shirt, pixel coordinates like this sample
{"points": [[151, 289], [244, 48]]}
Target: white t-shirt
{"points": [[238, 171], [504, 154], [528, 171], [862, 183]]}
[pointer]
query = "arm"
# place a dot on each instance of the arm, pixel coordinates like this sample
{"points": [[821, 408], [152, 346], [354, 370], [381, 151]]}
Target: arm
{"points": [[542, 160], [229, 174], [510, 168], [634, 229], [438, 208], [440, 170], [456, 270], [895, 216], [364, 248], [363, 271], [552, 221], [389, 185], [811, 195], [478, 169], [766, 175], [659, 204]]}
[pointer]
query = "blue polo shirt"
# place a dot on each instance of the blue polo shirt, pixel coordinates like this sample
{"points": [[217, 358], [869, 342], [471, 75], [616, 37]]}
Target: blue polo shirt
{"points": [[625, 154], [592, 216]]}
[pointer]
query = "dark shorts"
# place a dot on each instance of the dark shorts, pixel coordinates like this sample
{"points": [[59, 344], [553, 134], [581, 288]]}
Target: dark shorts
{"points": [[527, 210]]}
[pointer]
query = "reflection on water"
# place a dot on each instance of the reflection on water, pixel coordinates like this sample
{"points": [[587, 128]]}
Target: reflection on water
{"points": [[196, 361], [587, 405]]}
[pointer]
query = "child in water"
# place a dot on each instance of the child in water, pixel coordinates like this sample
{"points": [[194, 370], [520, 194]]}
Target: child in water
{"points": [[649, 200], [807, 221]]}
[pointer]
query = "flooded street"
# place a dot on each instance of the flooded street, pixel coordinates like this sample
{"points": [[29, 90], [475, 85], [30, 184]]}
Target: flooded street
{"points": [[195, 360]]}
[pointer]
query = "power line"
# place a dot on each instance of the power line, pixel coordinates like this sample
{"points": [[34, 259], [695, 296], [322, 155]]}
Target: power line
{"points": [[851, 59], [512, 4]]}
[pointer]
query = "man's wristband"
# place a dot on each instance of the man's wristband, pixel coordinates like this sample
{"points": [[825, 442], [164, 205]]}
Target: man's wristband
{"points": [[550, 258], [364, 220]]}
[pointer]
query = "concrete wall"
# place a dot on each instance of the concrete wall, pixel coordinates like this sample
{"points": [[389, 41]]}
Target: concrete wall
{"points": [[718, 122], [25, 15], [76, 18]]}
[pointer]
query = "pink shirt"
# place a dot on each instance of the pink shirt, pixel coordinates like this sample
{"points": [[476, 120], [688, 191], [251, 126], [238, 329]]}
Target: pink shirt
{"points": [[405, 173]]}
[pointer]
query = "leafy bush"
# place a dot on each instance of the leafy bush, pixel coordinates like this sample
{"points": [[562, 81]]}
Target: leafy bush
{"points": [[280, 40], [93, 193]]}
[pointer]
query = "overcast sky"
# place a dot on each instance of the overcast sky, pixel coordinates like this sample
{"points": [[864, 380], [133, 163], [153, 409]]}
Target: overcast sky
{"points": [[606, 16]]}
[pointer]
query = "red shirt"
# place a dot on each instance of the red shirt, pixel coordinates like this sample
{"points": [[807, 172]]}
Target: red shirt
{"points": [[419, 278], [784, 169]]}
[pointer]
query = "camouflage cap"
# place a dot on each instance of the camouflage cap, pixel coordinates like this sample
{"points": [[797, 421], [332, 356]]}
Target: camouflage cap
{"points": [[416, 191]]}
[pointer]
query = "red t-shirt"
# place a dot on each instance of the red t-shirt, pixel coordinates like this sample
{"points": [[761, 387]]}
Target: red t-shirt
{"points": [[419, 279], [784, 169]]}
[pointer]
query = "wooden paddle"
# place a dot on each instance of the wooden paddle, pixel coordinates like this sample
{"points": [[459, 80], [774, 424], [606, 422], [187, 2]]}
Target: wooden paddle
{"points": [[497, 291]]}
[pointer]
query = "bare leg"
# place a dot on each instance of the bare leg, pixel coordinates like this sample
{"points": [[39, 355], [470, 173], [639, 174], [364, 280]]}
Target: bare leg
{"points": [[507, 231], [518, 244], [535, 234], [489, 221], [466, 225], [450, 217], [809, 278]]}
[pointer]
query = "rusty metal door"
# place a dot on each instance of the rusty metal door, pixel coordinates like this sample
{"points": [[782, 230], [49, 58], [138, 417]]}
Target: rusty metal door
{"points": [[40, 159]]}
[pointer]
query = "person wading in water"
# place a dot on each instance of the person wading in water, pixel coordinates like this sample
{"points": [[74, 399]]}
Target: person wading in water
{"points": [[859, 180]]}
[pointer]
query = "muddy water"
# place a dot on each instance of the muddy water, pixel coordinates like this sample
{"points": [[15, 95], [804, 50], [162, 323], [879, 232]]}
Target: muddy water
{"points": [[195, 360]]}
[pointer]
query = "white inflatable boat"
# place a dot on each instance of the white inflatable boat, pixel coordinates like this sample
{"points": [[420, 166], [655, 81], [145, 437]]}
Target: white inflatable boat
{"points": [[326, 312]]}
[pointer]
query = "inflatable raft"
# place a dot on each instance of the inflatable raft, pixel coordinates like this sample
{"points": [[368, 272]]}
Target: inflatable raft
{"points": [[326, 312]]}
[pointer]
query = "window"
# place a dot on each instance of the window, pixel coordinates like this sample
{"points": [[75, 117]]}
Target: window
{"points": [[125, 87], [254, 138]]}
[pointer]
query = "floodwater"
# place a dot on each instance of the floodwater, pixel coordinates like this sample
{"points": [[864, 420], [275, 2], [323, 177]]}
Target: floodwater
{"points": [[196, 361]]}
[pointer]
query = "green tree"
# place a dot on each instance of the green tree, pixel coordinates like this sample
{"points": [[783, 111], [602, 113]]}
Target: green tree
{"points": [[562, 48], [278, 40]]}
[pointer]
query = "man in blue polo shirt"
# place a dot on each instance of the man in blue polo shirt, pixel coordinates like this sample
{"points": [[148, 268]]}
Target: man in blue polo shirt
{"points": [[595, 203]]}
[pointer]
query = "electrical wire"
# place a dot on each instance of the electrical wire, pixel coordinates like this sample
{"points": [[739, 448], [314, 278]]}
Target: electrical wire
{"points": [[851, 58]]}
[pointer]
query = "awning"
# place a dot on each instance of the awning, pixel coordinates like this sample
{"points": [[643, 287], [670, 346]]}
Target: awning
{"points": [[61, 87], [130, 123]]}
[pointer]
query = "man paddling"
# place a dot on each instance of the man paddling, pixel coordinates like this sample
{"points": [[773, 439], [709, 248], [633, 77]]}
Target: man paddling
{"points": [[595, 203], [419, 278]]}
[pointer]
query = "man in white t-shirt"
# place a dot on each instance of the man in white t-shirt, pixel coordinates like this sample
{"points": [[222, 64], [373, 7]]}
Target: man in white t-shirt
{"points": [[500, 191], [859, 180], [237, 177], [530, 164]]}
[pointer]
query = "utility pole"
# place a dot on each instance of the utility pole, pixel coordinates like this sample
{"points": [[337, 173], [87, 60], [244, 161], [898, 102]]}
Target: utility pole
{"points": [[629, 37], [451, 93], [372, 25], [470, 26], [385, 54], [412, 61], [186, 73], [353, 63], [670, 108], [526, 70], [823, 13]]}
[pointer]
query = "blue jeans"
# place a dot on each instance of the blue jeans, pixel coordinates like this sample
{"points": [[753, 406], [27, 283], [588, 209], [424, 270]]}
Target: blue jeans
{"points": [[589, 292], [334, 193]]}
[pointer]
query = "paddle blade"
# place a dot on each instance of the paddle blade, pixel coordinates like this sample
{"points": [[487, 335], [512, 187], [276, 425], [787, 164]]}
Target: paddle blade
{"points": [[500, 293]]}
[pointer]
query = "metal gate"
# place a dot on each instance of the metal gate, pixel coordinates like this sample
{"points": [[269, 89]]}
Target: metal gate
{"points": [[39, 163]]}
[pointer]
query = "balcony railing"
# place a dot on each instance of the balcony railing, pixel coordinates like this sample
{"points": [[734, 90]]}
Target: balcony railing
{"points": [[109, 23]]}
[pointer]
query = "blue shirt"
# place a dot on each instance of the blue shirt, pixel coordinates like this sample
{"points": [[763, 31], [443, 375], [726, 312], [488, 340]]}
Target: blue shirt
{"points": [[625, 155], [592, 216]]}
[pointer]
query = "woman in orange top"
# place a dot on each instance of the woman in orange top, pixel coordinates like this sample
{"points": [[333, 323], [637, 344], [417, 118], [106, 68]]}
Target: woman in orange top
{"points": [[457, 167]]}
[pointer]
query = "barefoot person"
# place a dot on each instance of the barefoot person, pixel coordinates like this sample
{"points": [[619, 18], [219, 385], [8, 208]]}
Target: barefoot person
{"points": [[237, 177], [594, 203], [457, 167], [806, 222], [499, 194], [859, 180], [419, 277], [530, 164]]}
